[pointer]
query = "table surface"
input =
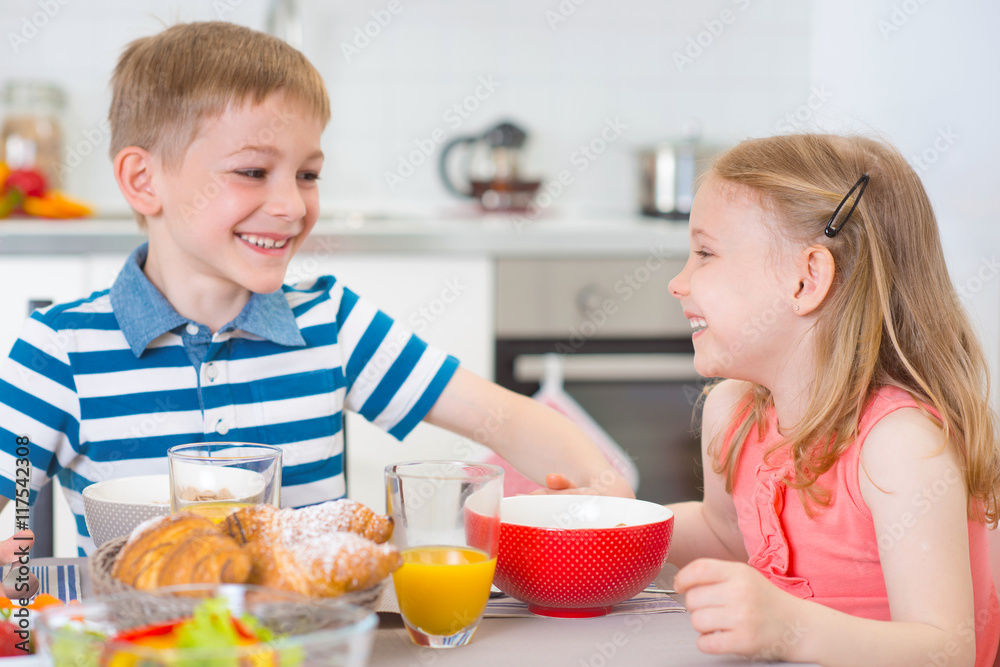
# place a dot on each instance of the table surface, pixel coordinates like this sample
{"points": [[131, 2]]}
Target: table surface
{"points": [[633, 640]]}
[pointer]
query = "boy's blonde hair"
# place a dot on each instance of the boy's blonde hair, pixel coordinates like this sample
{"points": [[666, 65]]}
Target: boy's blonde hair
{"points": [[892, 316], [167, 85]]}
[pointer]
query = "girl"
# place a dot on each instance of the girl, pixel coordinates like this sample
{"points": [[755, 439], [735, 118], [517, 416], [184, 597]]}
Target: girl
{"points": [[851, 461]]}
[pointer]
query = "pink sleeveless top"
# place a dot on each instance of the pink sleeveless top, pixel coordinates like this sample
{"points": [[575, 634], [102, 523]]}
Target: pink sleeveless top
{"points": [[832, 557]]}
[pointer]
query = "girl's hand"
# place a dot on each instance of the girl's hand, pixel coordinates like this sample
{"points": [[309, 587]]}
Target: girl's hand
{"points": [[737, 610]]}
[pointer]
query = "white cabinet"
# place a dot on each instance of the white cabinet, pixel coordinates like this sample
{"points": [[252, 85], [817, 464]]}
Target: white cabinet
{"points": [[103, 269], [36, 277], [56, 278], [447, 301]]}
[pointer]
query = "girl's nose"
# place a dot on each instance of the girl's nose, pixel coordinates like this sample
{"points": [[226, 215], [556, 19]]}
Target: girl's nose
{"points": [[678, 285]]}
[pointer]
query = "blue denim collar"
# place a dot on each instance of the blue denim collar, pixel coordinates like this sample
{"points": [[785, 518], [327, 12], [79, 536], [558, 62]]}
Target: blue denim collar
{"points": [[144, 314]]}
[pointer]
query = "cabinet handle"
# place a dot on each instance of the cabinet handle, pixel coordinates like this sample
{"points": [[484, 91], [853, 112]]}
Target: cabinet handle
{"points": [[645, 367]]}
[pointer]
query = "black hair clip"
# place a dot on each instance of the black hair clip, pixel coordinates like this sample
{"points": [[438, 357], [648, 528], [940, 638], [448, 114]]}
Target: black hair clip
{"points": [[830, 230]]}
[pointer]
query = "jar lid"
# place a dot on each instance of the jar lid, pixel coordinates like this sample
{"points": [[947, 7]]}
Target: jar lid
{"points": [[33, 93]]}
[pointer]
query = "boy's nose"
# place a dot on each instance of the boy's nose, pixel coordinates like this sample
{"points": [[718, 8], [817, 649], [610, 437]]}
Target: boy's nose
{"points": [[285, 201]]}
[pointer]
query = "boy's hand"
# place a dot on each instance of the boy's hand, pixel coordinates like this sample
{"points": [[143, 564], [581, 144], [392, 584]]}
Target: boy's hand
{"points": [[735, 609], [10, 551], [556, 483], [607, 485]]}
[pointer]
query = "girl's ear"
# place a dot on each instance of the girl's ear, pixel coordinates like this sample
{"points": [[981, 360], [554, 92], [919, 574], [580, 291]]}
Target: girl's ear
{"points": [[133, 169], [815, 269]]}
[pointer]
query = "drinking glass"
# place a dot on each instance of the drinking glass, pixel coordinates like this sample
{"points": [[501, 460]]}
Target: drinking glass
{"points": [[215, 479], [447, 527]]}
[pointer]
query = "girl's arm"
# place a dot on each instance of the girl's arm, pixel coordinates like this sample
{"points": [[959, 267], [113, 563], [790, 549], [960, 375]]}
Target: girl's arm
{"points": [[537, 440], [913, 486], [708, 527]]}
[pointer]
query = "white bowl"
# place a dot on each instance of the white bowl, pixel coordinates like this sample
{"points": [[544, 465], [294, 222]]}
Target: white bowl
{"points": [[114, 507]]}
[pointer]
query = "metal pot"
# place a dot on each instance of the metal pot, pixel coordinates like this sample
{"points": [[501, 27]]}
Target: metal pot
{"points": [[669, 174]]}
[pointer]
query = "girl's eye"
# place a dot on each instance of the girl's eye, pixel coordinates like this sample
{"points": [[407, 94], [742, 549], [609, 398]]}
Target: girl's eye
{"points": [[702, 253], [252, 173], [309, 176]]}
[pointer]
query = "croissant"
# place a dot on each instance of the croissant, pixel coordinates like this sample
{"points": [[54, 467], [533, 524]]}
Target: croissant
{"points": [[326, 565], [182, 548], [247, 524]]}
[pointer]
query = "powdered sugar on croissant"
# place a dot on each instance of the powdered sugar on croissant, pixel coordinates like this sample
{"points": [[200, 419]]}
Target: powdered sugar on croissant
{"points": [[309, 522], [327, 549], [340, 515], [326, 565]]}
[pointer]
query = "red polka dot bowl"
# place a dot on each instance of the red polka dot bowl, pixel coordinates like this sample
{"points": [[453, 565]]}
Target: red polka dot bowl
{"points": [[577, 556]]}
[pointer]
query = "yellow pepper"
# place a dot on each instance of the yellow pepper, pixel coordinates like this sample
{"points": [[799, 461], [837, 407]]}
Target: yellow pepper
{"points": [[55, 205]]}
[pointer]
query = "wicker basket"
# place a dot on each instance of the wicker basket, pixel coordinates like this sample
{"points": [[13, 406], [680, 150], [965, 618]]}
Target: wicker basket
{"points": [[102, 583]]}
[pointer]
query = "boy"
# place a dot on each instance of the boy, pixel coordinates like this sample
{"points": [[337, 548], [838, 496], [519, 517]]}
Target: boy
{"points": [[216, 145]]}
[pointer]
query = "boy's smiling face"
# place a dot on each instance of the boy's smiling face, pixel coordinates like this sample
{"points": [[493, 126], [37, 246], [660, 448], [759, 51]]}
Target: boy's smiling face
{"points": [[239, 205]]}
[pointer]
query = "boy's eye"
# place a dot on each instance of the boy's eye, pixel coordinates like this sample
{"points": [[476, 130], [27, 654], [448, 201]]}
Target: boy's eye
{"points": [[309, 176], [252, 173], [702, 253]]}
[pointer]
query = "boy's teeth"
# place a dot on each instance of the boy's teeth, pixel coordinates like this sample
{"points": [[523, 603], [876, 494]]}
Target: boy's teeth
{"points": [[698, 323], [263, 241]]}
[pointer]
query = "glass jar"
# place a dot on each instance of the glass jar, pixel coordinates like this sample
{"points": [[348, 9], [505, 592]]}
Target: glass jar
{"points": [[31, 134]]}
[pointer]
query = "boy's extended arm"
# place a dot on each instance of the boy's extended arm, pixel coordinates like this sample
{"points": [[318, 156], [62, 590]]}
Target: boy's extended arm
{"points": [[537, 440], [708, 528]]}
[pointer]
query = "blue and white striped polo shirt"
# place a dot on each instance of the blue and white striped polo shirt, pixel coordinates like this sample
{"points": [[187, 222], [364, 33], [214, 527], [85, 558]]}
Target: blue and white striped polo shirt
{"points": [[105, 385]]}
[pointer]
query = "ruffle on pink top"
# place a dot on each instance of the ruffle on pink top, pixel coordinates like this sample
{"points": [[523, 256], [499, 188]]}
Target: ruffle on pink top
{"points": [[771, 556]]}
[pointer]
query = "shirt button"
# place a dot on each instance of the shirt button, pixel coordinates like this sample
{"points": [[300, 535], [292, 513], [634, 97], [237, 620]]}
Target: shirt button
{"points": [[222, 427], [192, 328], [211, 372]]}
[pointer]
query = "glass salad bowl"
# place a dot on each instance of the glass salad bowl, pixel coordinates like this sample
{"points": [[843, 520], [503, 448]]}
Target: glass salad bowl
{"points": [[206, 625]]}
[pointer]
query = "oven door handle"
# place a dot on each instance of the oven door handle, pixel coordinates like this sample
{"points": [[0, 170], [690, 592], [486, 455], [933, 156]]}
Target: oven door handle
{"points": [[625, 367]]}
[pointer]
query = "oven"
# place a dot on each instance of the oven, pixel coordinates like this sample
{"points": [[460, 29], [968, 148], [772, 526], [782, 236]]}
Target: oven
{"points": [[626, 354]]}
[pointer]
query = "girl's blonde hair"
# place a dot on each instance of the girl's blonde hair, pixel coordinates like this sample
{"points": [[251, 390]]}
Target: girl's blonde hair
{"points": [[165, 86], [892, 317]]}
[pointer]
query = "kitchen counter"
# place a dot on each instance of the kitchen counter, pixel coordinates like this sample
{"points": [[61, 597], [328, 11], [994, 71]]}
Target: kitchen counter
{"points": [[494, 236]]}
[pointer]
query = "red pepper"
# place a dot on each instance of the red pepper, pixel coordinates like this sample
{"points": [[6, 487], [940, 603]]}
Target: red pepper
{"points": [[243, 630], [158, 629], [30, 182], [154, 630]]}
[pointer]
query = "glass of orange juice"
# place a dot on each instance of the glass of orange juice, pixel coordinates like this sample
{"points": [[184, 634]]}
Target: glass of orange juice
{"points": [[446, 518], [217, 478]]}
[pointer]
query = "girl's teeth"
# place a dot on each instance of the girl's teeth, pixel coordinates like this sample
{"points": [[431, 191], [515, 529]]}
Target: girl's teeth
{"points": [[263, 241], [698, 323]]}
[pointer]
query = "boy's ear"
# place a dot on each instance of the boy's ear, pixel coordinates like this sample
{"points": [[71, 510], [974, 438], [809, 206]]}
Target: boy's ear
{"points": [[134, 169], [814, 268]]}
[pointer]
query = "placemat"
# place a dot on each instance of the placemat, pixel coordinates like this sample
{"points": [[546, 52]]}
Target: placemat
{"points": [[508, 607], [62, 581]]}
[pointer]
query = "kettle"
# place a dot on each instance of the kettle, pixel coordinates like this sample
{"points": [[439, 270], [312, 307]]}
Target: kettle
{"points": [[669, 175], [491, 169]]}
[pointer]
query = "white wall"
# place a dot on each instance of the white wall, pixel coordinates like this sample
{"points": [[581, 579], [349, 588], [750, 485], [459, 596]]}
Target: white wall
{"points": [[925, 74], [561, 79], [920, 72]]}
